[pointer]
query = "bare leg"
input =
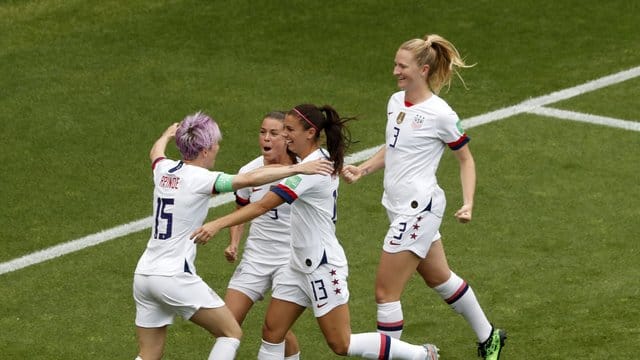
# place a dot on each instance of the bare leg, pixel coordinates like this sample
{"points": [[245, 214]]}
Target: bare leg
{"points": [[151, 342]]}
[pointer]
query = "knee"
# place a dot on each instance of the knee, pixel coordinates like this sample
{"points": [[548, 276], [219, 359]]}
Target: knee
{"points": [[385, 296], [233, 332], [437, 277], [339, 346], [271, 334]]}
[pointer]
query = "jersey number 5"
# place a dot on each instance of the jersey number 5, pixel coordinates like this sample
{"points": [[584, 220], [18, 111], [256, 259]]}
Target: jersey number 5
{"points": [[163, 214]]}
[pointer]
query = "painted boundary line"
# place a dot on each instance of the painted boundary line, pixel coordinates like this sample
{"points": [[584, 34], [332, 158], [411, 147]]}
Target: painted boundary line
{"points": [[534, 105], [586, 118]]}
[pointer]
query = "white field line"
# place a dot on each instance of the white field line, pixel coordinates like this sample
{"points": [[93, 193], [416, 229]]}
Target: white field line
{"points": [[530, 105], [587, 118]]}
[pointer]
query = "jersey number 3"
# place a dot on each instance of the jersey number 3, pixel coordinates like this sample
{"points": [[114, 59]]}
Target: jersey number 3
{"points": [[163, 215], [396, 131]]}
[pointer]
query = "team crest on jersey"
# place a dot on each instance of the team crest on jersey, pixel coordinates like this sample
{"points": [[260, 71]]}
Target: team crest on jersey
{"points": [[293, 181], [417, 122], [400, 117]]}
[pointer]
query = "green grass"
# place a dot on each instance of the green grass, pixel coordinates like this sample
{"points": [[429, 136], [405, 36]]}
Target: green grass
{"points": [[86, 87]]}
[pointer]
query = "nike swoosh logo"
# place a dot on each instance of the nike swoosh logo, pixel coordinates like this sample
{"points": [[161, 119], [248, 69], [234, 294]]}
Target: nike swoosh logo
{"points": [[321, 305], [256, 189], [393, 243], [389, 113]]}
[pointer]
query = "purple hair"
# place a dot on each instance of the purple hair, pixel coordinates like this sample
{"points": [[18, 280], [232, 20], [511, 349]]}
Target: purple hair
{"points": [[196, 133]]}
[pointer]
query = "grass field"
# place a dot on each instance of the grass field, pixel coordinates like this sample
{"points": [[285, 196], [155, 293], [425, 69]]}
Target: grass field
{"points": [[87, 86]]}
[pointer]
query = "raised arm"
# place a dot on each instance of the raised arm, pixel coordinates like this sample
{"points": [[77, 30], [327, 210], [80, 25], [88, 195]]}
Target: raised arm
{"points": [[202, 234], [353, 173], [159, 147], [468, 182]]}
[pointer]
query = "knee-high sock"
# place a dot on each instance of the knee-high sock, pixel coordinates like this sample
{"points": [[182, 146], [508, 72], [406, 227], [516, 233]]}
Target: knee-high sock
{"points": [[383, 347], [459, 295], [390, 319], [295, 356], [224, 349], [270, 351]]}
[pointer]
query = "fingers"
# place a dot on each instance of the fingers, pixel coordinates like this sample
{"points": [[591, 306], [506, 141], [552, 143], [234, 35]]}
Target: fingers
{"points": [[230, 254], [200, 236], [350, 173], [463, 216], [320, 166]]}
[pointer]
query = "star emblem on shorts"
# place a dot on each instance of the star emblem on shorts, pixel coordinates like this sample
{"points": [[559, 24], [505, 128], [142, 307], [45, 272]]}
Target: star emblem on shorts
{"points": [[335, 281], [416, 226], [337, 291], [333, 272], [419, 218], [414, 235]]}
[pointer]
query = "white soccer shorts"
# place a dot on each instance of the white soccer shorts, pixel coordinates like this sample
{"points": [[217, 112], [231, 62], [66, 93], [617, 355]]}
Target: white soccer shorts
{"points": [[159, 298]]}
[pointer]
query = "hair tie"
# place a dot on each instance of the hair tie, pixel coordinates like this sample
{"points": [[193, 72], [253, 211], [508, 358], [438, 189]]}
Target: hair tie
{"points": [[305, 119]]}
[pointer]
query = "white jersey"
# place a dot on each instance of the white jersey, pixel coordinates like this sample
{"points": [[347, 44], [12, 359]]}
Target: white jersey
{"points": [[269, 236], [416, 136], [313, 215], [180, 197]]}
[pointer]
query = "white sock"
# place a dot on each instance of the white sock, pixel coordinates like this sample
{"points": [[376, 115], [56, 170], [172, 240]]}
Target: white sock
{"points": [[390, 319], [459, 295], [295, 356], [269, 351], [224, 348], [138, 358], [383, 347]]}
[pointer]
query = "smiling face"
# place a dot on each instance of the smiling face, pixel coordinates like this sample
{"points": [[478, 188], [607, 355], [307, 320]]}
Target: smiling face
{"points": [[300, 141], [411, 76], [272, 143]]}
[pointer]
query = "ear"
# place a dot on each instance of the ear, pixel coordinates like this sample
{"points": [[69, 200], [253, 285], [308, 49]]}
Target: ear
{"points": [[424, 71], [311, 133]]}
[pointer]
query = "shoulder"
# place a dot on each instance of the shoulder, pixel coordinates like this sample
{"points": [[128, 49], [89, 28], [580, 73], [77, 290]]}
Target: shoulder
{"points": [[163, 163], [397, 97], [252, 165]]}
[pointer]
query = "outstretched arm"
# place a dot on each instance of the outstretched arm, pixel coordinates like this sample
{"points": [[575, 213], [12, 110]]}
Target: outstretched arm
{"points": [[353, 173], [202, 234], [468, 181], [267, 174], [159, 147]]}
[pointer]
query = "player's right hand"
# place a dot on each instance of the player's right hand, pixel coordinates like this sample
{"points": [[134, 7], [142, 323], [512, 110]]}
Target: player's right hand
{"points": [[231, 253]]}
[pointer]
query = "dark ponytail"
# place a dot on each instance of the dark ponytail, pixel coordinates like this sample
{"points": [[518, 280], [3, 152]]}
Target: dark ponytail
{"points": [[338, 137]]}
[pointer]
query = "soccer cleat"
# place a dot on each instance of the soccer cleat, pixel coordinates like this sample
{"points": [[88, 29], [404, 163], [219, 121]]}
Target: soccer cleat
{"points": [[490, 349], [431, 351]]}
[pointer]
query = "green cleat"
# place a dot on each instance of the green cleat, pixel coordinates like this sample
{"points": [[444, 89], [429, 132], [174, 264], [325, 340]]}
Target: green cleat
{"points": [[431, 352], [490, 349]]}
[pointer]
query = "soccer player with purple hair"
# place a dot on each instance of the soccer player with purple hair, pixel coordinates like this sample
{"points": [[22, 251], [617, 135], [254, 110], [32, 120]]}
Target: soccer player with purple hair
{"points": [[165, 280]]}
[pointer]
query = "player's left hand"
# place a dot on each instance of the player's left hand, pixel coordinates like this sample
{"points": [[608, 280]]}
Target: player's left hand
{"points": [[204, 233], [319, 166], [464, 214]]}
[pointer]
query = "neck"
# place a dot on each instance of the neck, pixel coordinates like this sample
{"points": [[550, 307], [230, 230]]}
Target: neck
{"points": [[283, 159], [417, 96], [196, 162], [309, 150]]}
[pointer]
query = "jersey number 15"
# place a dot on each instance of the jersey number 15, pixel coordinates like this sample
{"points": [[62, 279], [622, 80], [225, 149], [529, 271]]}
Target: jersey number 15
{"points": [[163, 215]]}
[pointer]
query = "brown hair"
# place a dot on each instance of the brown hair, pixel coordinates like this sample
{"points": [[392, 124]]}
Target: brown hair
{"points": [[337, 134]]}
